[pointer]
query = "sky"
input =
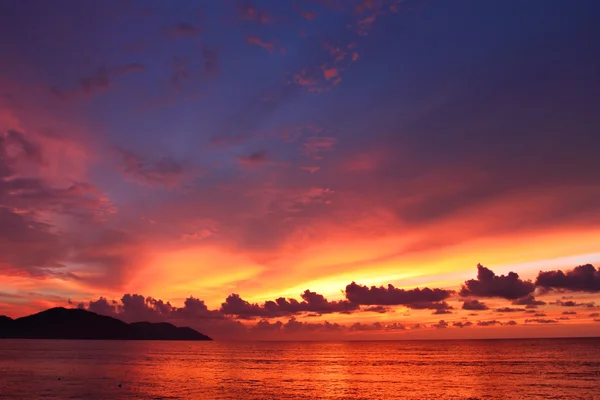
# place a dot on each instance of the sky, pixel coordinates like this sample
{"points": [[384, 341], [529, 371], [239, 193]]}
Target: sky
{"points": [[319, 169]]}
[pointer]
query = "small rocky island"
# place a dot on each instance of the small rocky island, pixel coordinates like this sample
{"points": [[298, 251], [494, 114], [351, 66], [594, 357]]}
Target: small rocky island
{"points": [[77, 324]]}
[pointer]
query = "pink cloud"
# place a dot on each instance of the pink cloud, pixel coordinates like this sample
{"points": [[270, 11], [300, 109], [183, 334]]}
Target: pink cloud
{"points": [[249, 12], [311, 169], [315, 145], [307, 15], [269, 46], [330, 73]]}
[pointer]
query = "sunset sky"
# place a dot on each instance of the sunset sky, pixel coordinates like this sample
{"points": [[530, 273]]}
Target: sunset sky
{"points": [[192, 160]]}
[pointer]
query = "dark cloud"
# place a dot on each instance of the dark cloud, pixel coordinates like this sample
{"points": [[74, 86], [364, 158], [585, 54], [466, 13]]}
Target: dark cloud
{"points": [[395, 326], [414, 298], [378, 309], [541, 321], [511, 322], [255, 158], [584, 278], [100, 81], [569, 312], [461, 324], [181, 73], [102, 306], [489, 323], [263, 326], [529, 301], [488, 284], [441, 307], [210, 61], [164, 172], [571, 303], [440, 325], [294, 326], [509, 309], [539, 315], [312, 303], [182, 29], [376, 326], [592, 315], [194, 313], [474, 304]]}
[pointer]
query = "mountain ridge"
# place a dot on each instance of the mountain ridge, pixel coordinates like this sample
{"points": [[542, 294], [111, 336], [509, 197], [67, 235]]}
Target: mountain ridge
{"points": [[78, 324]]}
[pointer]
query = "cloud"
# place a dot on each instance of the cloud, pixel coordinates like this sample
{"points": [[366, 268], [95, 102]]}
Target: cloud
{"points": [[311, 303], [569, 312], [584, 278], [164, 172], [539, 315], [509, 309], [440, 325], [249, 12], [489, 284], [311, 169], [489, 323], [571, 303], [307, 15], [254, 158], [413, 298], [541, 321], [193, 313], [357, 326], [529, 301], [180, 72], [592, 315], [511, 322], [474, 304], [461, 324], [315, 145], [255, 40], [294, 326], [330, 73], [378, 309], [210, 60], [182, 29], [100, 81]]}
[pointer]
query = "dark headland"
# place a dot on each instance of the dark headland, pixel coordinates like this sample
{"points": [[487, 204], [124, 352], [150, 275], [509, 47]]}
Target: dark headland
{"points": [[63, 323]]}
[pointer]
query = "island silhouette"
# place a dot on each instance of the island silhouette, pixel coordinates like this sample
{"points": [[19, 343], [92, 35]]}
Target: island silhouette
{"points": [[71, 323]]}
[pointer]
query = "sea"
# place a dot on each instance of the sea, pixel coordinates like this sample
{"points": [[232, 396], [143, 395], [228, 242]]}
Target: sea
{"points": [[477, 369]]}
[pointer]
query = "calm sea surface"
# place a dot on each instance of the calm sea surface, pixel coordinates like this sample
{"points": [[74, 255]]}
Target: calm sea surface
{"points": [[498, 369]]}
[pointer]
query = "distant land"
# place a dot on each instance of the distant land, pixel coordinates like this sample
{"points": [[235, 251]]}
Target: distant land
{"points": [[64, 323]]}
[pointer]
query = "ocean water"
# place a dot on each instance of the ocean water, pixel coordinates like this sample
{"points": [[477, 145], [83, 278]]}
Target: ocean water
{"points": [[491, 369]]}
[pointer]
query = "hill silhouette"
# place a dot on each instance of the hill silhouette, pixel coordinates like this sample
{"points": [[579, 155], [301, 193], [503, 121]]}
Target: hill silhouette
{"points": [[63, 323]]}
